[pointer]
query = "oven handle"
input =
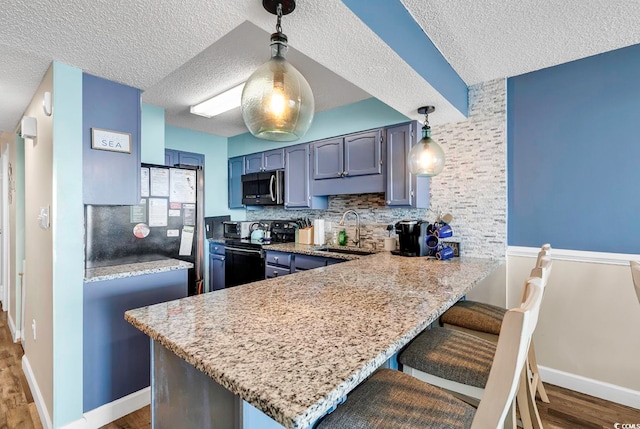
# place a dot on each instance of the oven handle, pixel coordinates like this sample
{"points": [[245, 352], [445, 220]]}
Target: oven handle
{"points": [[237, 249], [271, 189]]}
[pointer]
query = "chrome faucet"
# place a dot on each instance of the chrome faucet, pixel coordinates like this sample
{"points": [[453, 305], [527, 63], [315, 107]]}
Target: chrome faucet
{"points": [[357, 240]]}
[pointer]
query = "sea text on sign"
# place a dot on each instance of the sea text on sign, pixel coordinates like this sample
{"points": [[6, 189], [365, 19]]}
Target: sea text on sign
{"points": [[110, 140]]}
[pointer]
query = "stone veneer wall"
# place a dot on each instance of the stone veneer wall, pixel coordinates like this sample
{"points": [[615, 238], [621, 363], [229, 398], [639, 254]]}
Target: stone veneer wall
{"points": [[472, 187]]}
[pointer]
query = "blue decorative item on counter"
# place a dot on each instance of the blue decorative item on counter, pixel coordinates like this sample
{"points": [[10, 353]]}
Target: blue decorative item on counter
{"points": [[444, 253]]}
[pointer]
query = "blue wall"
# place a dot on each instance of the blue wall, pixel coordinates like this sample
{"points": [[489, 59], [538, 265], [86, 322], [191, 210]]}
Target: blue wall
{"points": [[574, 154], [363, 115], [152, 135], [67, 221], [214, 149]]}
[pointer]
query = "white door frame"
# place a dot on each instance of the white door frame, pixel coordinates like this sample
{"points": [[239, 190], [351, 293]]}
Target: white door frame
{"points": [[4, 227]]}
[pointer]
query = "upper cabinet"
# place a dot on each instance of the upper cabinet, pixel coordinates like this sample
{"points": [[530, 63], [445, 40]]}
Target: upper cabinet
{"points": [[354, 155], [236, 170], [297, 180], [404, 189], [351, 164], [174, 158], [264, 161], [111, 157]]}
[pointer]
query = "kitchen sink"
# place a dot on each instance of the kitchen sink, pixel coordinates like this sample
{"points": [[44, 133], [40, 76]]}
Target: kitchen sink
{"points": [[359, 252]]}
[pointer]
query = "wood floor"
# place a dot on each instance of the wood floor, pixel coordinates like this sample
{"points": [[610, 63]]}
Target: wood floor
{"points": [[567, 410], [17, 409]]}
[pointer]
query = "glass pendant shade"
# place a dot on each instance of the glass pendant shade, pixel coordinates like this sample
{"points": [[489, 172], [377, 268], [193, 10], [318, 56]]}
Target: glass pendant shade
{"points": [[277, 102], [426, 157]]}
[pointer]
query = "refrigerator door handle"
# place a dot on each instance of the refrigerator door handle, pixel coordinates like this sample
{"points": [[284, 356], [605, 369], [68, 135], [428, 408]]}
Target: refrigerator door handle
{"points": [[271, 190]]}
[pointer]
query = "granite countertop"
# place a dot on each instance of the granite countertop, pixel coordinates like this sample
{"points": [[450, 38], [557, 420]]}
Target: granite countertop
{"points": [[312, 250], [292, 346], [134, 269]]}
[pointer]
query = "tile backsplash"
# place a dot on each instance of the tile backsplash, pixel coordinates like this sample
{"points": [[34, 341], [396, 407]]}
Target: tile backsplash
{"points": [[472, 187]]}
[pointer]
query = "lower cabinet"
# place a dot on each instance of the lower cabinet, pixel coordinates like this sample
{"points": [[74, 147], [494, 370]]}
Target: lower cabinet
{"points": [[216, 266], [282, 263], [277, 264]]}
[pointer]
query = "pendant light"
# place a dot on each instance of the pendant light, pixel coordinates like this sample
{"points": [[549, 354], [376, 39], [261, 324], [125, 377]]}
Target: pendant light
{"points": [[277, 102], [426, 157]]}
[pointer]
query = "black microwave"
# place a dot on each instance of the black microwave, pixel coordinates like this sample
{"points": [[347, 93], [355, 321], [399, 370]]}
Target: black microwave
{"points": [[263, 189]]}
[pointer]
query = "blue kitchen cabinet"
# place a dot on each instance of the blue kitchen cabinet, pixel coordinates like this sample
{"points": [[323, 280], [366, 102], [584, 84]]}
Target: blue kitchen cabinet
{"points": [[236, 170], [297, 180], [308, 262], [264, 161], [363, 154], [351, 164], [402, 188], [216, 266], [328, 158], [174, 157], [110, 178], [348, 156], [277, 264]]}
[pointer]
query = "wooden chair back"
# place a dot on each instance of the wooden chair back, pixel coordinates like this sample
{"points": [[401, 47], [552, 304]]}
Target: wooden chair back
{"points": [[635, 272], [511, 354]]}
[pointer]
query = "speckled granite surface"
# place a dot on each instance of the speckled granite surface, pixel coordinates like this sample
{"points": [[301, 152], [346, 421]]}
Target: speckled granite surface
{"points": [[137, 269], [311, 249], [293, 345]]}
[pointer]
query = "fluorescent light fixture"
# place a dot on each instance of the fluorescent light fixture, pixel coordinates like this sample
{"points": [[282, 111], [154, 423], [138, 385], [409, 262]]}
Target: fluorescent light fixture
{"points": [[221, 103]]}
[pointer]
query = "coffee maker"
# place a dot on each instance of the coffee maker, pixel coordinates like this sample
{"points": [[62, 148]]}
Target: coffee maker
{"points": [[412, 235]]}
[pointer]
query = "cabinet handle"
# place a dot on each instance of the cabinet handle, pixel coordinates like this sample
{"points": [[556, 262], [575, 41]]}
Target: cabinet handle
{"points": [[388, 202], [275, 274], [275, 258], [340, 174], [345, 173]]}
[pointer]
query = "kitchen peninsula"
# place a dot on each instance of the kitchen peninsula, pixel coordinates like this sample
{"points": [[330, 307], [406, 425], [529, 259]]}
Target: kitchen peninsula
{"points": [[293, 346]]}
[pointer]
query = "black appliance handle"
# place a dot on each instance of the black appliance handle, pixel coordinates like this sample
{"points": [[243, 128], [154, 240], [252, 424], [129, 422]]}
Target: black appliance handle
{"points": [[271, 190], [237, 249]]}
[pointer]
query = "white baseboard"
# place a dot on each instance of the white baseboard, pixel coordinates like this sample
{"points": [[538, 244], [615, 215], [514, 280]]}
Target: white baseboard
{"points": [[15, 334], [45, 418], [107, 413], [588, 386]]}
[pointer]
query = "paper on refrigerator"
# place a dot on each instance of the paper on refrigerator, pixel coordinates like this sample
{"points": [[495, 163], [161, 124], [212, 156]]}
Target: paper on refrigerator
{"points": [[186, 241]]}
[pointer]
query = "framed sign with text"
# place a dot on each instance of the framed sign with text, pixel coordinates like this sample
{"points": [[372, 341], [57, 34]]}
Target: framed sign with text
{"points": [[113, 141]]}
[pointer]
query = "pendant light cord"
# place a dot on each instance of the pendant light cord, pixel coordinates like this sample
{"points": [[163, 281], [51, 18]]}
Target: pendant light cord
{"points": [[279, 14]]}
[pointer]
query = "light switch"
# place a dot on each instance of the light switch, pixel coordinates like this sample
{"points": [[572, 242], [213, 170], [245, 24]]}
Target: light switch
{"points": [[43, 217]]}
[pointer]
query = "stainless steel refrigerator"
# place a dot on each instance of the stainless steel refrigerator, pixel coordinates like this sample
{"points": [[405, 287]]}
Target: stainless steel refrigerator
{"points": [[168, 223]]}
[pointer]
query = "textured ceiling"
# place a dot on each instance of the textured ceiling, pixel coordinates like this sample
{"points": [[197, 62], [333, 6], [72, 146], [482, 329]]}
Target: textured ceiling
{"points": [[209, 74], [164, 47], [485, 40]]}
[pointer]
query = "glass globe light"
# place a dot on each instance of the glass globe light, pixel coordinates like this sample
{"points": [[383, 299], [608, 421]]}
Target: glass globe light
{"points": [[277, 102], [426, 157]]}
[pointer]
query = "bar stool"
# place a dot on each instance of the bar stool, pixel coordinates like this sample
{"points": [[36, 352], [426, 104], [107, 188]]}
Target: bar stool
{"points": [[484, 320], [460, 362], [394, 400], [635, 273]]}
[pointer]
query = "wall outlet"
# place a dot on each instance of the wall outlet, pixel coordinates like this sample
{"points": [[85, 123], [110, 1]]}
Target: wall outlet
{"points": [[33, 328]]}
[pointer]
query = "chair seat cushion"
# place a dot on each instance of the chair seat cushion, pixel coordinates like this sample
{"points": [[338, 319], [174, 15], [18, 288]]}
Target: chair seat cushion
{"points": [[452, 355], [391, 399], [475, 316]]}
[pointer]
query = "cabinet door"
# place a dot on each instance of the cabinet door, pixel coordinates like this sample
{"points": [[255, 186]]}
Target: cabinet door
{"points": [[362, 154], [253, 163], [296, 177], [190, 158], [216, 272], [170, 157], [236, 170], [328, 158], [398, 176], [403, 188], [273, 160]]}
